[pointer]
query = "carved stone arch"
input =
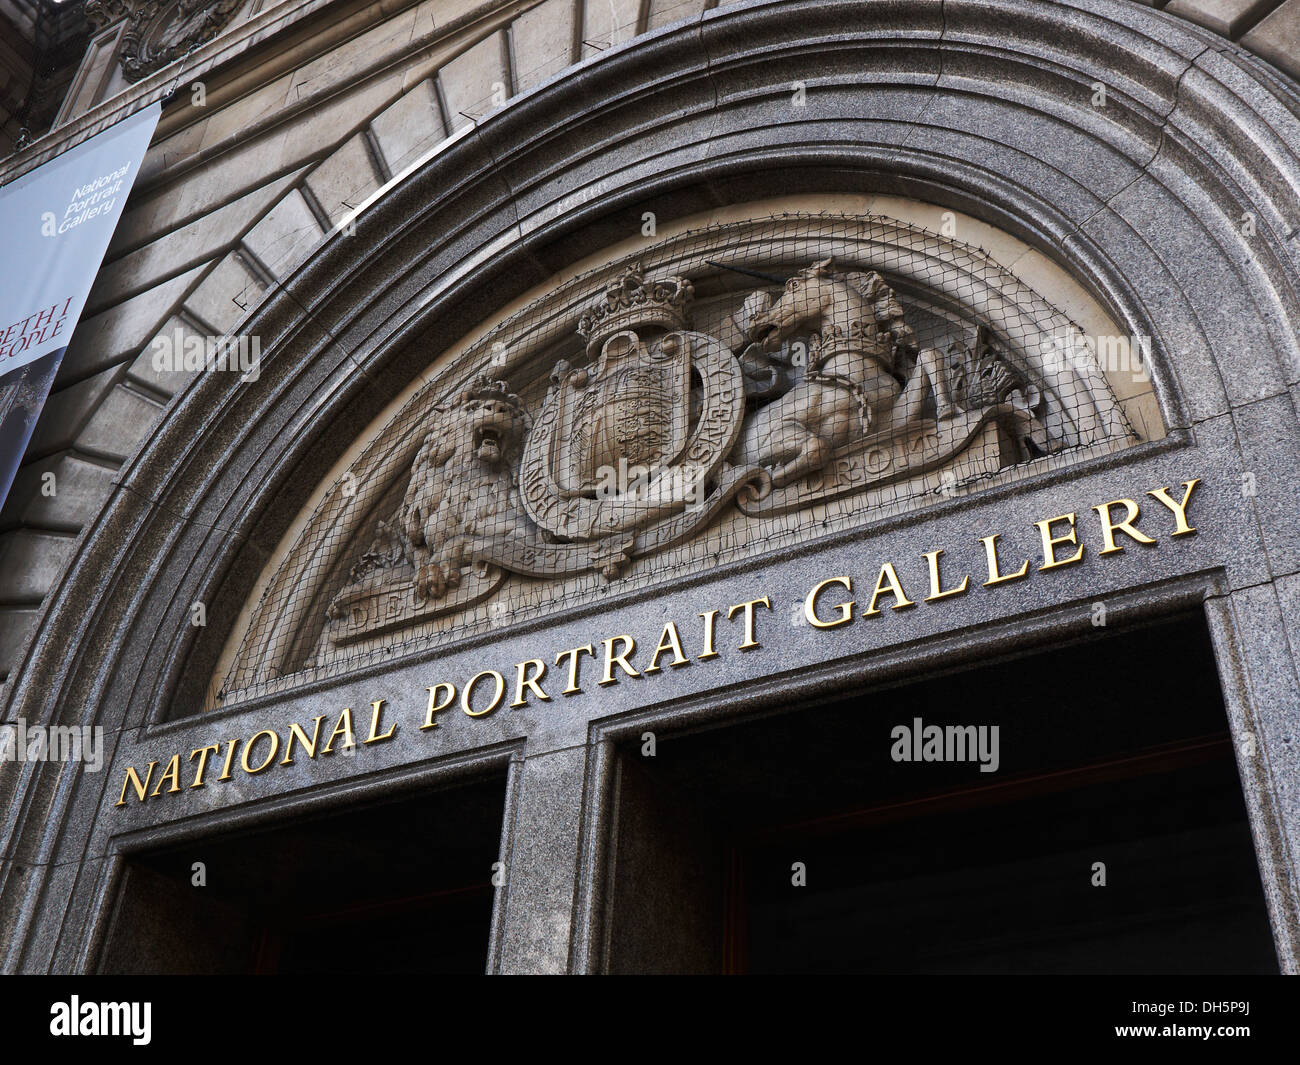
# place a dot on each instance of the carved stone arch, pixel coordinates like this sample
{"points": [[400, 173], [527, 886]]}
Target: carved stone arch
{"points": [[982, 107]]}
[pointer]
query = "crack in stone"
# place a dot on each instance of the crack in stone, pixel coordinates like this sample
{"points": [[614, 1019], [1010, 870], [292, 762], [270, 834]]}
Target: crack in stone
{"points": [[1160, 144], [180, 518], [925, 107]]}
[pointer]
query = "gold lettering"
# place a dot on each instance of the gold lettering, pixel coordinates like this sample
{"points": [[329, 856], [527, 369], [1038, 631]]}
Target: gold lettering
{"points": [[845, 610], [611, 659], [750, 643], [204, 751], [573, 654], [1179, 510], [140, 786], [887, 582], [524, 681], [248, 749], [230, 755], [173, 770], [1049, 542], [936, 583], [435, 706], [709, 650], [668, 641], [991, 551], [297, 732], [376, 711], [344, 729], [1109, 526], [466, 699]]}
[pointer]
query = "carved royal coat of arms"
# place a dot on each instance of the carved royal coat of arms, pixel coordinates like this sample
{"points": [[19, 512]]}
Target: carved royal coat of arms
{"points": [[660, 428]]}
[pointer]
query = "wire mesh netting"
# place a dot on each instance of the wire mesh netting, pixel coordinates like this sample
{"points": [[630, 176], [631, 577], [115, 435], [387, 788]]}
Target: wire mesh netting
{"points": [[734, 390]]}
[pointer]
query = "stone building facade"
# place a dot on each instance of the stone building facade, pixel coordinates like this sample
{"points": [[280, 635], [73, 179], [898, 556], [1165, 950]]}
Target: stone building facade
{"points": [[870, 296]]}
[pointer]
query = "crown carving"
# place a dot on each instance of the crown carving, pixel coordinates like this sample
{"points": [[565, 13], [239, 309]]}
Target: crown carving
{"points": [[631, 301], [485, 387]]}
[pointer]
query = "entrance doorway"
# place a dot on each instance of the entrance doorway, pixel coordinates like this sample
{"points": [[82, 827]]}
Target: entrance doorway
{"points": [[398, 887], [1111, 837]]}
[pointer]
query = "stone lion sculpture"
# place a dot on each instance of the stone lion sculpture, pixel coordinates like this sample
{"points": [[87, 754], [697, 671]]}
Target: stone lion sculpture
{"points": [[464, 486]]}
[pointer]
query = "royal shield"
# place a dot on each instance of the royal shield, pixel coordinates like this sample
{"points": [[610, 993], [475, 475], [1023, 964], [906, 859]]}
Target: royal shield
{"points": [[628, 421], [632, 412]]}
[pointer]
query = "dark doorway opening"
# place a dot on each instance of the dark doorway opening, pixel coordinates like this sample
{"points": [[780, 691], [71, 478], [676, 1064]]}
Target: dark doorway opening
{"points": [[1111, 838], [396, 887]]}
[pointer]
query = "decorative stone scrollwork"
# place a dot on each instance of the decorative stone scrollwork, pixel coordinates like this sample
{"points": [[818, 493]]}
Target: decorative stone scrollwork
{"points": [[159, 32], [103, 13]]}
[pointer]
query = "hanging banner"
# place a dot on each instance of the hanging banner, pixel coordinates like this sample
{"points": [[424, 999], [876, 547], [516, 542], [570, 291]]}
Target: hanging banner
{"points": [[55, 225]]}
